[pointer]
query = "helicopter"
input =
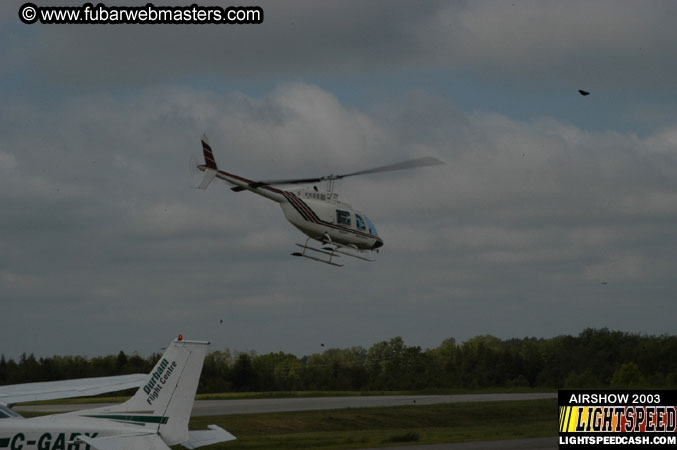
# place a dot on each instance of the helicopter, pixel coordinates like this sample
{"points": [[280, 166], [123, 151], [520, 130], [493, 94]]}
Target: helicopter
{"points": [[322, 216]]}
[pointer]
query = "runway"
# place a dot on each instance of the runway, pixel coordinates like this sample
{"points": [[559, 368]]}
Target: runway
{"points": [[221, 407], [258, 406]]}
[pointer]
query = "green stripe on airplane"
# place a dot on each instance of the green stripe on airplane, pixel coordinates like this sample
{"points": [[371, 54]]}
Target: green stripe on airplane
{"points": [[126, 418]]}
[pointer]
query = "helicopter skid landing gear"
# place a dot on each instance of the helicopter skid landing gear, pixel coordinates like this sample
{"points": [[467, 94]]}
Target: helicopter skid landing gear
{"points": [[331, 252], [331, 249]]}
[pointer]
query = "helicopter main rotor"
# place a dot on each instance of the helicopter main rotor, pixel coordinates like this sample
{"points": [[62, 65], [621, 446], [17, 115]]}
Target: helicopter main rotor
{"points": [[409, 164]]}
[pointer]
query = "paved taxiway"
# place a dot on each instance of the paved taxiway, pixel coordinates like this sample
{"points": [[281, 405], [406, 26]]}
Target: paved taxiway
{"points": [[228, 407]]}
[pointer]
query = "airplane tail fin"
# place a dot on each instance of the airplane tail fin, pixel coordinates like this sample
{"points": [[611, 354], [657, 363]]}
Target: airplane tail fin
{"points": [[209, 166], [166, 398]]}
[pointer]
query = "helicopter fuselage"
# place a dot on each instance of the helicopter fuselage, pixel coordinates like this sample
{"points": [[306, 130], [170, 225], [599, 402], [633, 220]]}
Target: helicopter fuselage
{"points": [[319, 215]]}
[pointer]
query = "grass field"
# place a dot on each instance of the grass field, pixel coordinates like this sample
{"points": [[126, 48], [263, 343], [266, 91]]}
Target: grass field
{"points": [[374, 427]]}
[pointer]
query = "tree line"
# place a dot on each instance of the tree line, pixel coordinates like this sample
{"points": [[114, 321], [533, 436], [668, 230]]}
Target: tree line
{"points": [[596, 358]]}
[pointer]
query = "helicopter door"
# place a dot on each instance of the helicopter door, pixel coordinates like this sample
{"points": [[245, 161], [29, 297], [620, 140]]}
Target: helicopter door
{"points": [[343, 217]]}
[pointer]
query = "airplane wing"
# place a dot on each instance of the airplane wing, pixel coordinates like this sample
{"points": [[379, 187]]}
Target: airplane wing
{"points": [[149, 441], [214, 435], [83, 387]]}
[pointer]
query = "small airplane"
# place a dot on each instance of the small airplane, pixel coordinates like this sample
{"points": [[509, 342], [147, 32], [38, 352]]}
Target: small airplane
{"points": [[155, 418], [319, 215]]}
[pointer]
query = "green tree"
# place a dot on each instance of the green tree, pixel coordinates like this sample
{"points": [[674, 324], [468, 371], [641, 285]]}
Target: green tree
{"points": [[243, 376], [444, 363], [627, 376], [216, 373], [582, 380]]}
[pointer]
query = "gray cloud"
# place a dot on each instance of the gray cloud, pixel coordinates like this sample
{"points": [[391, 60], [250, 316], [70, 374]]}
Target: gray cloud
{"points": [[513, 237], [598, 45], [595, 44], [295, 37]]}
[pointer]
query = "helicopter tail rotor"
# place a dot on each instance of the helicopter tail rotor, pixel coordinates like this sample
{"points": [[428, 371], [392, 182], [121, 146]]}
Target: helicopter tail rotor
{"points": [[194, 173], [193, 162]]}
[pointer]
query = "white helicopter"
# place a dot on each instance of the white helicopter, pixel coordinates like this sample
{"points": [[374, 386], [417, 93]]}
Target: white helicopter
{"points": [[155, 418], [321, 216]]}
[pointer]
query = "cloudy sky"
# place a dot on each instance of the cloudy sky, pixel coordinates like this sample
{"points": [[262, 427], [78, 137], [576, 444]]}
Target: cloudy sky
{"points": [[555, 212]]}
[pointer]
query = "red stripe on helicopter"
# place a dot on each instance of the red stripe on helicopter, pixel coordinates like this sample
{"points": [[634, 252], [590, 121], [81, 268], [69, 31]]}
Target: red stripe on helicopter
{"points": [[299, 210], [209, 156], [301, 207], [308, 209]]}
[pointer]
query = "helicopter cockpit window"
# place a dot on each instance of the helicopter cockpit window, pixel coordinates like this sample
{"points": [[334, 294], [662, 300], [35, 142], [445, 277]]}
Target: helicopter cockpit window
{"points": [[372, 228], [342, 217], [359, 222]]}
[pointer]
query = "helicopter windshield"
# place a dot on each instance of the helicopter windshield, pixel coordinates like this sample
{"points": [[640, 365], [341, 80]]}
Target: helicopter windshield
{"points": [[359, 223], [370, 225]]}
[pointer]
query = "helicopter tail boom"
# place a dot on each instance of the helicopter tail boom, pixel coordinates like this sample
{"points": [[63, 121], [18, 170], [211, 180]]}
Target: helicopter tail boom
{"points": [[238, 183]]}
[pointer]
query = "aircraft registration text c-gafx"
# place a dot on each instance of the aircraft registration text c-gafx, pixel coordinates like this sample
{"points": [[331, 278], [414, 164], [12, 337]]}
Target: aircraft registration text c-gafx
{"points": [[46, 441]]}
